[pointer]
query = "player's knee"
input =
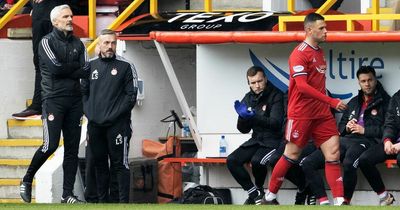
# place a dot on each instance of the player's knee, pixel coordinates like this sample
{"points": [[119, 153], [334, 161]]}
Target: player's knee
{"points": [[232, 161], [332, 155], [258, 163], [364, 161], [291, 160], [307, 164], [349, 165]]}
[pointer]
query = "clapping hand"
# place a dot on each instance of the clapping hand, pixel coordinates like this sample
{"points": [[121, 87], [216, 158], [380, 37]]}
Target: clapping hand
{"points": [[242, 110]]}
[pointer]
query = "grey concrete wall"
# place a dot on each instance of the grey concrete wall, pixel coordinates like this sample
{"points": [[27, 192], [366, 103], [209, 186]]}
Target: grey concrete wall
{"points": [[159, 96], [16, 78]]}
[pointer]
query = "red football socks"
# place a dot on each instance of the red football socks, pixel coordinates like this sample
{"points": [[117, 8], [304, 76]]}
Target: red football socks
{"points": [[334, 178], [278, 174]]}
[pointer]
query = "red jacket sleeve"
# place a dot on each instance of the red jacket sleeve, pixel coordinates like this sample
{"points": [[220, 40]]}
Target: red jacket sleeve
{"points": [[306, 89]]}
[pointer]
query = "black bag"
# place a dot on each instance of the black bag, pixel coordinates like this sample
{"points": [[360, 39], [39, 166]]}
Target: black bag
{"points": [[202, 194], [143, 180]]}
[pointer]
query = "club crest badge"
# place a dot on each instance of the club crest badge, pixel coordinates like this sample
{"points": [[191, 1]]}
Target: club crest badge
{"points": [[114, 72], [50, 117], [264, 108], [295, 134]]}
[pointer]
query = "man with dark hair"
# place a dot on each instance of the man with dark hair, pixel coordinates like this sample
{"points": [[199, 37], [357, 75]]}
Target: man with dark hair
{"points": [[41, 25], [360, 127], [309, 114], [261, 110], [109, 114], [388, 148], [63, 62]]}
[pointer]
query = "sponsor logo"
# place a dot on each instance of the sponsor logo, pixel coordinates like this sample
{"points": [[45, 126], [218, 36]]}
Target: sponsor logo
{"points": [[298, 68], [215, 20], [213, 17]]}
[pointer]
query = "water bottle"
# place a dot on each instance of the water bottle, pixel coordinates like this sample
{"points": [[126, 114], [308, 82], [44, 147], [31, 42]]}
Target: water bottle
{"points": [[223, 147], [185, 132]]}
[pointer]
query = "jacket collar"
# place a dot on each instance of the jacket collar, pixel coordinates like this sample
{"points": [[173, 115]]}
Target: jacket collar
{"points": [[60, 34], [107, 59]]}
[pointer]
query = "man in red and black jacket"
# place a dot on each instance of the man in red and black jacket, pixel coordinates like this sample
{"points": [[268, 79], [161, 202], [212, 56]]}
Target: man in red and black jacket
{"points": [[389, 148]]}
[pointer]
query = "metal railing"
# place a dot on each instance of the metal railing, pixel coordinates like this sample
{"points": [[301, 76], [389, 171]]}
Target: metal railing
{"points": [[10, 14], [92, 17], [375, 17]]}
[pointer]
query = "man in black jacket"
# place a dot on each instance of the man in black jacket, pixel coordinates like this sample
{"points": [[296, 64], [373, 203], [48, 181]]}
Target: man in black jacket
{"points": [[360, 127], [41, 26], [109, 96], [261, 110], [63, 62], [387, 148]]}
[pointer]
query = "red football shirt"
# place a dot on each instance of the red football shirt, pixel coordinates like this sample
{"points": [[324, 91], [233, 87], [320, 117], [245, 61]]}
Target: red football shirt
{"points": [[307, 72]]}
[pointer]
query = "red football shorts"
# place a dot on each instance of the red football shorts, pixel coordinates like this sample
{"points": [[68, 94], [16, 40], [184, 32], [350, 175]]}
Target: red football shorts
{"points": [[300, 132]]}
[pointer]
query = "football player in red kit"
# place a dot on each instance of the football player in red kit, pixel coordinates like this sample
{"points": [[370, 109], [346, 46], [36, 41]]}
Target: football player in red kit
{"points": [[309, 114]]}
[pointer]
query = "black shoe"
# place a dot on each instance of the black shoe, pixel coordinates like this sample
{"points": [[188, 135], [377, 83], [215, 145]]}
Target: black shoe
{"points": [[249, 201], [259, 199], [311, 200], [25, 191], [273, 202], [27, 112], [300, 198], [71, 199]]}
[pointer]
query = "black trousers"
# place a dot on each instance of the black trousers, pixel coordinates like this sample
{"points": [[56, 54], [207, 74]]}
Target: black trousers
{"points": [[368, 160], [260, 158], [350, 151], [91, 192], [60, 114], [111, 142], [39, 29]]}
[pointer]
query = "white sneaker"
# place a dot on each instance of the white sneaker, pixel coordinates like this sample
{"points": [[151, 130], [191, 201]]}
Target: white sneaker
{"points": [[338, 201], [387, 201]]}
